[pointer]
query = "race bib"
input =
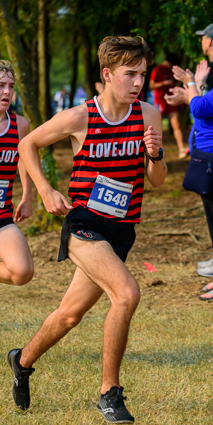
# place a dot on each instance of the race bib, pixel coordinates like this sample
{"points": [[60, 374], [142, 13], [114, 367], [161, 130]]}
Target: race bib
{"points": [[3, 191], [110, 196]]}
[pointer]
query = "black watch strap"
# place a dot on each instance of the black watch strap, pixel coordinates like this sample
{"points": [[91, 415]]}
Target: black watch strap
{"points": [[157, 158]]}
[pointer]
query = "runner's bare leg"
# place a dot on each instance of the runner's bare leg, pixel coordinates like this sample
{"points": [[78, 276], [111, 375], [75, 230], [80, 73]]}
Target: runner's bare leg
{"points": [[16, 266], [79, 298], [102, 271], [110, 273]]}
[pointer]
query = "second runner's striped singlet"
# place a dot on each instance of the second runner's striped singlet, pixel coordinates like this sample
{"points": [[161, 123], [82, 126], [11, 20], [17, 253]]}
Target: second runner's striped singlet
{"points": [[9, 157]]}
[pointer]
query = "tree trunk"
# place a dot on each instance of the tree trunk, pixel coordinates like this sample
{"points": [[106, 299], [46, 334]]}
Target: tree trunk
{"points": [[74, 66], [43, 74], [87, 58], [47, 160], [20, 65], [34, 65], [29, 104]]}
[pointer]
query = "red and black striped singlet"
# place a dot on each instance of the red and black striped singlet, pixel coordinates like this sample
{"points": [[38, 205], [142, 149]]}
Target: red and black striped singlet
{"points": [[9, 157], [112, 149]]}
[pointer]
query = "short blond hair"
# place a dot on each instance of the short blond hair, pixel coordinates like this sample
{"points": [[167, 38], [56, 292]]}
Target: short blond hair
{"points": [[6, 67], [121, 50]]}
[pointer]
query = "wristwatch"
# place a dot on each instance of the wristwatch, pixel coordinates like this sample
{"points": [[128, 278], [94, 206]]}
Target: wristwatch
{"points": [[157, 158]]}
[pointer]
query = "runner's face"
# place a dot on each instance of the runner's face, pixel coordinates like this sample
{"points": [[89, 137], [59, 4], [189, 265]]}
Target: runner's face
{"points": [[127, 82], [6, 90]]}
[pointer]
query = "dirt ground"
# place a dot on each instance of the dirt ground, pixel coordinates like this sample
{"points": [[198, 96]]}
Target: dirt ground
{"points": [[172, 235]]}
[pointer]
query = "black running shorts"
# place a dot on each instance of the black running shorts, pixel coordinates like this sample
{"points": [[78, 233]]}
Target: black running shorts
{"points": [[86, 225], [5, 222]]}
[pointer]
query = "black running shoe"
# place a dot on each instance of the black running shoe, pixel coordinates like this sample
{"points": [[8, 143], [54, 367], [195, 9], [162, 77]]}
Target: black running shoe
{"points": [[111, 406], [20, 390]]}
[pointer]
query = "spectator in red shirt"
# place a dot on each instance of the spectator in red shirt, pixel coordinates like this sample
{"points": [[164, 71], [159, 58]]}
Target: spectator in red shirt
{"points": [[161, 81]]}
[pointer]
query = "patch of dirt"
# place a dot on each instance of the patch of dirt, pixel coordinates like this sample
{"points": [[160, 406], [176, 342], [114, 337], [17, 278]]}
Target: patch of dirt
{"points": [[172, 236]]}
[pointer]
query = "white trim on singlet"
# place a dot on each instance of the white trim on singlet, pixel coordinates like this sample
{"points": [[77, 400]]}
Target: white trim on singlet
{"points": [[8, 125], [111, 122]]}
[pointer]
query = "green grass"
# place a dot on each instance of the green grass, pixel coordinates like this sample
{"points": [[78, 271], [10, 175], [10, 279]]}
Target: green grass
{"points": [[167, 369]]}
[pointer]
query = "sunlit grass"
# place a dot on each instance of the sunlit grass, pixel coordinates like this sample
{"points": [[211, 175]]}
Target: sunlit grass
{"points": [[167, 368]]}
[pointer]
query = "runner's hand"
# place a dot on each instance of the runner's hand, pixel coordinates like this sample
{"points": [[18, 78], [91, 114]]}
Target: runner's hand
{"points": [[153, 141], [23, 210], [56, 203]]}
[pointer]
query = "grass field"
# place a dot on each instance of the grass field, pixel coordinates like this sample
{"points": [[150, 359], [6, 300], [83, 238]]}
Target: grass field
{"points": [[167, 370]]}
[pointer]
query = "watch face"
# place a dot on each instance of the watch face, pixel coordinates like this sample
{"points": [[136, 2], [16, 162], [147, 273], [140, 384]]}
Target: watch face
{"points": [[160, 153], [158, 158]]}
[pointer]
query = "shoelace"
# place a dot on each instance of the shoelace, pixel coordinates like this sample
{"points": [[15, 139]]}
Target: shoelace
{"points": [[118, 401]]}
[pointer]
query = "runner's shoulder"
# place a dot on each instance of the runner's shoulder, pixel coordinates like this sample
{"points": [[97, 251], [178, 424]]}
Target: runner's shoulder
{"points": [[151, 115], [75, 118], [23, 123], [147, 108]]}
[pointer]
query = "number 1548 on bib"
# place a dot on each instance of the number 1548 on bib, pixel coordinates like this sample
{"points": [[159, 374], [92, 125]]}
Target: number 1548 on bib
{"points": [[110, 196]]}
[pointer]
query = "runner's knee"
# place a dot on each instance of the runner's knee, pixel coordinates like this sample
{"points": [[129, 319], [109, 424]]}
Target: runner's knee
{"points": [[69, 320], [22, 275], [129, 299], [132, 300]]}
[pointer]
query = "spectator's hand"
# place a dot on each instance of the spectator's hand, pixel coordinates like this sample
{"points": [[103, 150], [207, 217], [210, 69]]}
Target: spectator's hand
{"points": [[168, 82], [202, 72], [181, 75], [178, 96], [153, 141]]}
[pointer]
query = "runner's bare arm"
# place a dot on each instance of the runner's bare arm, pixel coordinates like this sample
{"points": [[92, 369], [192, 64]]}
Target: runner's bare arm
{"points": [[156, 172], [66, 123], [24, 209]]}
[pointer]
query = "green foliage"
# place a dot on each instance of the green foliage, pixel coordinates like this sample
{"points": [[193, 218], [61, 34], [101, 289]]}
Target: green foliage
{"points": [[177, 21], [119, 17], [26, 19], [48, 166], [176, 193], [33, 230], [164, 24], [3, 48]]}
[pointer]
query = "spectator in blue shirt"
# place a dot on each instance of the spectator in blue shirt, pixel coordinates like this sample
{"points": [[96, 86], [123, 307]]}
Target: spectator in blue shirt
{"points": [[202, 110]]}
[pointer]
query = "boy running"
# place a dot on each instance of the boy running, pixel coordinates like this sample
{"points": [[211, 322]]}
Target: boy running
{"points": [[110, 136], [16, 266]]}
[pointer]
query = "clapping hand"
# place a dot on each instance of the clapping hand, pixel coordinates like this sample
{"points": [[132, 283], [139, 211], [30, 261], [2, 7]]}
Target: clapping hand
{"points": [[177, 96], [202, 72], [181, 75]]}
